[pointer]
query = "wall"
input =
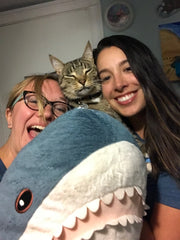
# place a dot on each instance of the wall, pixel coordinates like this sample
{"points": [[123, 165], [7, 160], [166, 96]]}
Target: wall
{"points": [[29, 35], [145, 24], [62, 28]]}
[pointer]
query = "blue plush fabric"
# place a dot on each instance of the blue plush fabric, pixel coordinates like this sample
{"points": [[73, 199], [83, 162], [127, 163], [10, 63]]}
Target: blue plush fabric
{"points": [[46, 159]]}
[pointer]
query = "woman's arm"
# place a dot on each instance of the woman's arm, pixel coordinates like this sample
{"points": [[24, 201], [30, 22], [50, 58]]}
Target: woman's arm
{"points": [[146, 233], [165, 222], [165, 214]]}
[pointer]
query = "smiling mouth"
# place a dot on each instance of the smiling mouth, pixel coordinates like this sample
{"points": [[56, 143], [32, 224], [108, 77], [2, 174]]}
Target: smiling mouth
{"points": [[126, 98], [35, 130]]}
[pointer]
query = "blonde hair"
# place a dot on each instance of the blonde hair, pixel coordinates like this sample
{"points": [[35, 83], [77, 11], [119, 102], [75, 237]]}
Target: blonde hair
{"points": [[37, 81]]}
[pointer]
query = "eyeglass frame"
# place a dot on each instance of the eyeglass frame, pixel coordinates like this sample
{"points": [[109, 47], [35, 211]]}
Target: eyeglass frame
{"points": [[22, 96]]}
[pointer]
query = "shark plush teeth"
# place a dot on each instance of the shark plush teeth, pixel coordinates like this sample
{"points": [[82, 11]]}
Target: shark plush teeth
{"points": [[95, 189], [89, 182]]}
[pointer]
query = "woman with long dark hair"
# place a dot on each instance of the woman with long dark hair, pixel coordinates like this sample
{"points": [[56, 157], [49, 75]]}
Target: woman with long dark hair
{"points": [[136, 87]]}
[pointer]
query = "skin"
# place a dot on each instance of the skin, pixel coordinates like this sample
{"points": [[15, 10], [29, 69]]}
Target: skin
{"points": [[124, 93], [21, 119], [120, 87], [165, 222]]}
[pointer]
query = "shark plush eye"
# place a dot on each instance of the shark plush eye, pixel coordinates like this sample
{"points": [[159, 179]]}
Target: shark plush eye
{"points": [[24, 201]]}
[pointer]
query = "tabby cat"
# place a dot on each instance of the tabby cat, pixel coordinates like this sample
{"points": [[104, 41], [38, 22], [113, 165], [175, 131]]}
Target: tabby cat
{"points": [[80, 84]]}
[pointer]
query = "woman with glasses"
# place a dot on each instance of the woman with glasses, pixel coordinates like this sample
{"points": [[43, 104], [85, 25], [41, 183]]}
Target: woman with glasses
{"points": [[33, 104]]}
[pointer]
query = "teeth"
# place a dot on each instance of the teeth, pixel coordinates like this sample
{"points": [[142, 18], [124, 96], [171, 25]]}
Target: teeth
{"points": [[137, 219], [88, 235], [81, 213], [146, 207], [126, 97], [38, 127], [107, 199], [70, 222], [145, 213], [114, 222], [123, 221], [130, 219], [139, 191], [58, 232], [94, 205], [130, 191], [120, 193]]}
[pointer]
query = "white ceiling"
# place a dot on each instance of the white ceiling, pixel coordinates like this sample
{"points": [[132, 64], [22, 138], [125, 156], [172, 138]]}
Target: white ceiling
{"points": [[6, 5]]}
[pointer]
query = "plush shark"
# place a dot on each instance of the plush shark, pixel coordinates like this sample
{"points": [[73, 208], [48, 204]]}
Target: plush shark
{"points": [[83, 177]]}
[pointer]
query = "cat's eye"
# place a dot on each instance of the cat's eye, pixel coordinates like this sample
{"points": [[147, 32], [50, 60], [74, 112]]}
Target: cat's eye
{"points": [[70, 76], [87, 71]]}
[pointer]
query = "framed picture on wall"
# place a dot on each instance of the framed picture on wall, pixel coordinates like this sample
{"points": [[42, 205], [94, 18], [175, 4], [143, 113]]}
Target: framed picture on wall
{"points": [[170, 49], [119, 15]]}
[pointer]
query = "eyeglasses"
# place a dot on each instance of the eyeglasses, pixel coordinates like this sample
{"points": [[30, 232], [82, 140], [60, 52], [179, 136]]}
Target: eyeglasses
{"points": [[31, 100]]}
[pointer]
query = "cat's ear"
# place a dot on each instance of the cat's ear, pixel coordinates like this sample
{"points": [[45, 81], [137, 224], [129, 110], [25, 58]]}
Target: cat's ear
{"points": [[57, 64], [88, 53]]}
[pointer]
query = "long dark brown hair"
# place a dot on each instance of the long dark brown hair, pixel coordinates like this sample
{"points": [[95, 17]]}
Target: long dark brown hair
{"points": [[162, 126]]}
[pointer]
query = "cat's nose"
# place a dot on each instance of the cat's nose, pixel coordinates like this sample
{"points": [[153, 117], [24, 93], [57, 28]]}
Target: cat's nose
{"points": [[82, 81]]}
